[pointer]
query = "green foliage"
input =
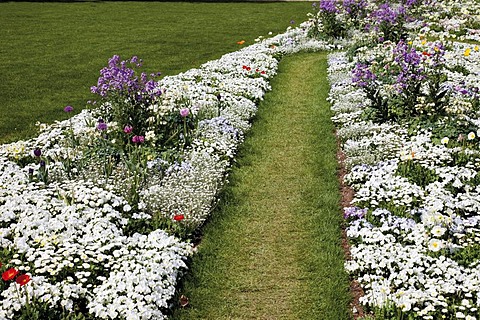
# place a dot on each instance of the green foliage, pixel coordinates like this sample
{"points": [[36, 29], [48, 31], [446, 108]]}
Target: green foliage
{"points": [[467, 255], [416, 173]]}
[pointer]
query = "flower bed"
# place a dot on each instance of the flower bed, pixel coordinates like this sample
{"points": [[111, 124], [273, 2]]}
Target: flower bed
{"points": [[408, 118], [96, 213]]}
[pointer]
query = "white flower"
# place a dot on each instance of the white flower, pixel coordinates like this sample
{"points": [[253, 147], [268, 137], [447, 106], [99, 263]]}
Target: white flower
{"points": [[438, 231], [445, 140], [150, 135], [435, 245], [471, 136]]}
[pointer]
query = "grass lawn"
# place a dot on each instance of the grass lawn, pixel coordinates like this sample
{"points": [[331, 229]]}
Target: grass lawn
{"points": [[273, 249], [51, 53]]}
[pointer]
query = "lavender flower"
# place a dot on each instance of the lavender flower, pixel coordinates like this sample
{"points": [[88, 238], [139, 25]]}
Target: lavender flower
{"points": [[68, 109], [354, 213]]}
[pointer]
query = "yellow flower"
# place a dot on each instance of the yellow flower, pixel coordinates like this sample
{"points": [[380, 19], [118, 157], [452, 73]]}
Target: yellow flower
{"points": [[467, 52], [424, 42], [475, 48]]}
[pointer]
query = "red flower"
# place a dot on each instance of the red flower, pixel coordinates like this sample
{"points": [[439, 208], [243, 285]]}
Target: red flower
{"points": [[23, 279], [244, 67], [425, 53], [178, 217], [263, 72], [9, 274]]}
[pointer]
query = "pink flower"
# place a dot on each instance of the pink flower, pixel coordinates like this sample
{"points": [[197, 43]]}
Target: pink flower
{"points": [[184, 112], [128, 129], [138, 139]]}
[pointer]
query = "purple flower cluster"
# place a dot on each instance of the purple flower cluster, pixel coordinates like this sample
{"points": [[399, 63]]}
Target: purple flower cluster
{"points": [[409, 61], [410, 3], [119, 78], [386, 14], [354, 7], [362, 75], [328, 6]]}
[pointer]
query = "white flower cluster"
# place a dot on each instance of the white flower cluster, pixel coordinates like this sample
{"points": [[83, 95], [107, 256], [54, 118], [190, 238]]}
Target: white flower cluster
{"points": [[416, 249]]}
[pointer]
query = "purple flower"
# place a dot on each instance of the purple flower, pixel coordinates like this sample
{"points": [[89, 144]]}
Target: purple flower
{"points": [[68, 109], [128, 129], [37, 152], [101, 126], [328, 6], [118, 78], [362, 75], [138, 139], [354, 8], [184, 112], [292, 21]]}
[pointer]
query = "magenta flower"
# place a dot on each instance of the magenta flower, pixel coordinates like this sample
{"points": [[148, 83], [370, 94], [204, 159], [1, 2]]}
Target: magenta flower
{"points": [[128, 129], [68, 109], [184, 112], [138, 139]]}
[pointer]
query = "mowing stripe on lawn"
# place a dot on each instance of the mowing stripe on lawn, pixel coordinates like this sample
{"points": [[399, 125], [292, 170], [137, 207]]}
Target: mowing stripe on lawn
{"points": [[273, 248]]}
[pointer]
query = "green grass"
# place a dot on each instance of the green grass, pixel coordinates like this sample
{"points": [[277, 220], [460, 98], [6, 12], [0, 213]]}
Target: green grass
{"points": [[273, 249], [51, 53]]}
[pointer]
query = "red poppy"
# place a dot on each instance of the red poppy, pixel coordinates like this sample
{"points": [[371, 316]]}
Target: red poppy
{"points": [[244, 67], [263, 72], [248, 69], [9, 274], [178, 217], [23, 279], [425, 53]]}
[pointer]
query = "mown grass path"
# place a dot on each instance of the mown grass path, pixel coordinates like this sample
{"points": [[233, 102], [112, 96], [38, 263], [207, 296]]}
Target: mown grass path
{"points": [[273, 249]]}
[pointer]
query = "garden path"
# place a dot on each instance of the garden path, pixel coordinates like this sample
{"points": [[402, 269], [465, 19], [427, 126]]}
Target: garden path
{"points": [[273, 249]]}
